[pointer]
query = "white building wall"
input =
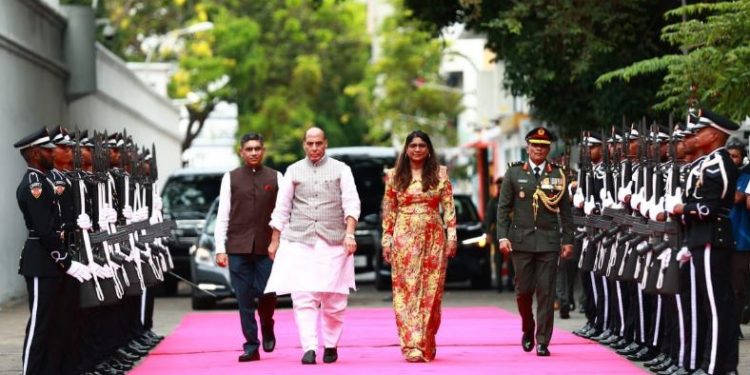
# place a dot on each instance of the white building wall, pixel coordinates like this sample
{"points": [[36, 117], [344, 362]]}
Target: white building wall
{"points": [[33, 80]]}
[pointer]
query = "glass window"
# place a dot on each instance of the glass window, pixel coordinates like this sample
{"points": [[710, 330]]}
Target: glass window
{"points": [[190, 196]]}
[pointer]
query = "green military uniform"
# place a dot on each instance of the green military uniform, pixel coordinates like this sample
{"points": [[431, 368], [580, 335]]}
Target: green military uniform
{"points": [[534, 214]]}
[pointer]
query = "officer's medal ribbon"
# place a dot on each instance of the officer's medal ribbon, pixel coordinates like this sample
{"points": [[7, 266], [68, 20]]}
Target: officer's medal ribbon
{"points": [[551, 200]]}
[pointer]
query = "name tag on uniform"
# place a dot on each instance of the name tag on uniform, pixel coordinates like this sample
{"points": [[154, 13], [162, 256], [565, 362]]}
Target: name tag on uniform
{"points": [[522, 180]]}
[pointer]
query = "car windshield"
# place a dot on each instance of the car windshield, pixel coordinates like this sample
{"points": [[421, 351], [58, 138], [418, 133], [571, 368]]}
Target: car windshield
{"points": [[190, 196], [465, 210], [368, 176]]}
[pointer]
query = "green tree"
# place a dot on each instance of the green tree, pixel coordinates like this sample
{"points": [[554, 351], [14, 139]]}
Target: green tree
{"points": [[712, 71], [405, 89], [286, 63], [554, 51]]}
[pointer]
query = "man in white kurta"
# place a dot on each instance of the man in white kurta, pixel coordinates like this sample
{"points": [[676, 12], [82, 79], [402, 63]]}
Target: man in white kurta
{"points": [[313, 223]]}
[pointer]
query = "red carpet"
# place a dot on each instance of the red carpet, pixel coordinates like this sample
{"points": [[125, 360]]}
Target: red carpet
{"points": [[484, 340]]}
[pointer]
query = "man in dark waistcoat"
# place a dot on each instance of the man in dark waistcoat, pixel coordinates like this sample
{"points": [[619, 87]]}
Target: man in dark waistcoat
{"points": [[538, 232], [242, 235], [44, 260]]}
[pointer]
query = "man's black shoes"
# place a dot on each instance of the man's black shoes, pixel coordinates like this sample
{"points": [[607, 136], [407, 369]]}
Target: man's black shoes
{"points": [[330, 355], [527, 341], [248, 357], [308, 358], [269, 341], [542, 351]]}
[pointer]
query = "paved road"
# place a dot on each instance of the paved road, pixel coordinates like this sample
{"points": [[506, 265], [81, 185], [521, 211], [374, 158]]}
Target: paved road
{"points": [[170, 310]]}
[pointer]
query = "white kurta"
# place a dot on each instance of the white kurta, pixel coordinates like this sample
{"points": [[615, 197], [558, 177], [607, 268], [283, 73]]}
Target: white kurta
{"points": [[302, 268], [322, 267]]}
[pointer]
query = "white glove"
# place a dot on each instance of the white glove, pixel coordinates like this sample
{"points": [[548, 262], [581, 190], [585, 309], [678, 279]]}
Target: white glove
{"points": [[113, 266], [79, 271], [683, 256], [84, 222], [635, 200], [100, 272], [602, 194], [110, 215], [127, 212], [646, 205], [608, 202], [624, 191], [578, 198], [141, 214], [158, 204], [673, 201], [589, 206], [153, 220], [656, 209]]}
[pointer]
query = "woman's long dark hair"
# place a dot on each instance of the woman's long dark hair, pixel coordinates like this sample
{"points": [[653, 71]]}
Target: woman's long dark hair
{"points": [[430, 177]]}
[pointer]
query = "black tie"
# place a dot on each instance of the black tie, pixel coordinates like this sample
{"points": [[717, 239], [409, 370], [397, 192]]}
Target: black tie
{"points": [[536, 172]]}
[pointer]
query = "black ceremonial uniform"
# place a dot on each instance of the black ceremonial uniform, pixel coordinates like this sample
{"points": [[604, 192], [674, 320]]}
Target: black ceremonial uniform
{"points": [[43, 262], [708, 231]]}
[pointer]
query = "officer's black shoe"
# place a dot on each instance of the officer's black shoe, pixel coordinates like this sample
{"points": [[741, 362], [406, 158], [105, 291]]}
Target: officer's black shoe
{"points": [[308, 358], [731, 373], [542, 351], [611, 340], [154, 336], [579, 332], [330, 355], [665, 364], [564, 312], [591, 333], [630, 349], [118, 366], [619, 344], [642, 355], [269, 340], [602, 336], [134, 350], [658, 359], [143, 343], [527, 341], [669, 370], [104, 369], [746, 314], [127, 355], [249, 357]]}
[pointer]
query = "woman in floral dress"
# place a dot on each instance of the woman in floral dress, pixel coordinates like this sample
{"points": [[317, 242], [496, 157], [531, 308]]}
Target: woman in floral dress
{"points": [[415, 243]]}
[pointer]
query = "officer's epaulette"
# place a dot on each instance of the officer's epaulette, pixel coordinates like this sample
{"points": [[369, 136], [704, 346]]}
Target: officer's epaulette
{"points": [[515, 164]]}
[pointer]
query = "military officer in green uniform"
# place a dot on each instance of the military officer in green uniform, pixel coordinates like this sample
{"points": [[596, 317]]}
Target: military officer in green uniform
{"points": [[535, 226]]}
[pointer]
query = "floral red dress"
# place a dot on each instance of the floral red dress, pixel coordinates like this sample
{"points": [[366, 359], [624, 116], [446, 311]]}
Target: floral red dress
{"points": [[414, 229]]}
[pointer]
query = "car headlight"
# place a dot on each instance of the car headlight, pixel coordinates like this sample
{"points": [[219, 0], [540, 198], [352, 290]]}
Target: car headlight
{"points": [[203, 256], [481, 241]]}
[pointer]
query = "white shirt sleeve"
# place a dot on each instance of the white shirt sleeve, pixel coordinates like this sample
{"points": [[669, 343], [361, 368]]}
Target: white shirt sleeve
{"points": [[349, 196], [283, 210], [222, 215]]}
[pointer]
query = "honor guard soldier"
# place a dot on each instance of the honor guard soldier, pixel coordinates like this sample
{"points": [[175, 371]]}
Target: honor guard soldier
{"points": [[704, 207], [44, 260], [539, 231]]}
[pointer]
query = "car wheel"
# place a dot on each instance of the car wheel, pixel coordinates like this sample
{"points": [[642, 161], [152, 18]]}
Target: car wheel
{"points": [[382, 282], [203, 303]]}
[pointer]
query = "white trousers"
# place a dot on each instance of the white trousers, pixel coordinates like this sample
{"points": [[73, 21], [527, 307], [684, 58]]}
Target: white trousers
{"points": [[328, 308]]}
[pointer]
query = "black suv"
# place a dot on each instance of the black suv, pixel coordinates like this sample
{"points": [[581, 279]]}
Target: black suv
{"points": [[368, 164], [472, 261], [187, 196]]}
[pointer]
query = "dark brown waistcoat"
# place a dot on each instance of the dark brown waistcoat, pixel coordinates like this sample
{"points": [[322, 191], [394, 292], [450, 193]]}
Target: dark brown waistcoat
{"points": [[253, 200]]}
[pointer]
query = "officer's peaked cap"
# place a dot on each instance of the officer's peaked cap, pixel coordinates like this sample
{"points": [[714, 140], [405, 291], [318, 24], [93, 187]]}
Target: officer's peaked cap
{"points": [[39, 138], [540, 136], [705, 118]]}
